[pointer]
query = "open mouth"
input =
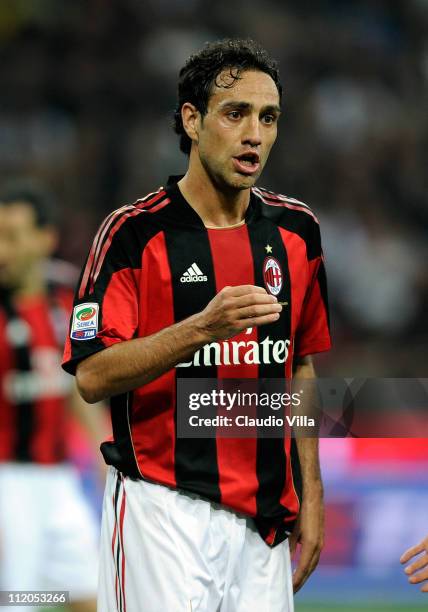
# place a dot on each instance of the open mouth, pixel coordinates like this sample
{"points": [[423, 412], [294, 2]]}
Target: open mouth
{"points": [[247, 163]]}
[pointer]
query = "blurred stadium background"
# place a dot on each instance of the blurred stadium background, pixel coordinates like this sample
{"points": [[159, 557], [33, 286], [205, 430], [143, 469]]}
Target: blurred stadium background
{"points": [[87, 90]]}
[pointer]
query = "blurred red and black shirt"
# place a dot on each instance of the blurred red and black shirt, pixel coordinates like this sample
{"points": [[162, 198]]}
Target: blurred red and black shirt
{"points": [[33, 389]]}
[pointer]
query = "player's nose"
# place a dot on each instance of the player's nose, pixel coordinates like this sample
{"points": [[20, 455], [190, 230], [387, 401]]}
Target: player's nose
{"points": [[252, 134]]}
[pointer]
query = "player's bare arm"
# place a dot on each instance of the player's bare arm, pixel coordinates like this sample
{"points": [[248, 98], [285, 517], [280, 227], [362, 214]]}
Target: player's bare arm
{"points": [[309, 531], [417, 571], [131, 364], [95, 423]]}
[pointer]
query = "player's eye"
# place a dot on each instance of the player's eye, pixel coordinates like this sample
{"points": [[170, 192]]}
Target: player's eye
{"points": [[234, 115], [269, 119]]}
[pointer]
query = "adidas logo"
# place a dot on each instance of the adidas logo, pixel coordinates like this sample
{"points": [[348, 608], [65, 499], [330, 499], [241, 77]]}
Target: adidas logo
{"points": [[193, 275]]}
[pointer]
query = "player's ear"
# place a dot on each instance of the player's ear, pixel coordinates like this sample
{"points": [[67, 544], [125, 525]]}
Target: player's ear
{"points": [[191, 117], [49, 239]]}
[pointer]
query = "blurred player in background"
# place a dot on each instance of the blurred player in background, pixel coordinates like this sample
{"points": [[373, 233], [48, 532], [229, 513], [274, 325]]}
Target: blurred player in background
{"points": [[48, 534], [206, 278], [417, 571]]}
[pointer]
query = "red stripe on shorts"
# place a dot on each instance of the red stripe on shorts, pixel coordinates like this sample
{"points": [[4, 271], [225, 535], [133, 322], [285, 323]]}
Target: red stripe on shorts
{"points": [[122, 516]]}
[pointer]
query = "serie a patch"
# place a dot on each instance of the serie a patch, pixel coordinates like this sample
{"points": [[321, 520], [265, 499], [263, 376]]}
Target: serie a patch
{"points": [[85, 321]]}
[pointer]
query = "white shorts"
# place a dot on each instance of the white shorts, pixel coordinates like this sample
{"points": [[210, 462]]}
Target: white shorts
{"points": [[48, 533], [164, 550]]}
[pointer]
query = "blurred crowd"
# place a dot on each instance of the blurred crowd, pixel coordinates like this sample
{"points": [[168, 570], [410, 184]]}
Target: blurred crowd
{"points": [[88, 90]]}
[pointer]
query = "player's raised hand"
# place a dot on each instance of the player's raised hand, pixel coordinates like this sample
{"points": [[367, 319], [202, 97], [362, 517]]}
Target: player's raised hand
{"points": [[418, 570], [309, 533], [234, 309]]}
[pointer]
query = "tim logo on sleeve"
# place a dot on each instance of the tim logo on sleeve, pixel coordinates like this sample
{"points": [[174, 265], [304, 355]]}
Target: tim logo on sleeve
{"points": [[85, 322]]}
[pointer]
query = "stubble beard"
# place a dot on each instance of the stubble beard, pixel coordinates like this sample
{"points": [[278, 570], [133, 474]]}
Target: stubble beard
{"points": [[228, 182]]}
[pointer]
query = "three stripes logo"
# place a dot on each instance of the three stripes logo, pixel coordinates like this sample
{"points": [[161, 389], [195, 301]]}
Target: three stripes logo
{"points": [[193, 275]]}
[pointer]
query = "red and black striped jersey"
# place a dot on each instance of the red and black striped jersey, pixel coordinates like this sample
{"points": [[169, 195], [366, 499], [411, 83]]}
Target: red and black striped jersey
{"points": [[33, 388], [153, 264]]}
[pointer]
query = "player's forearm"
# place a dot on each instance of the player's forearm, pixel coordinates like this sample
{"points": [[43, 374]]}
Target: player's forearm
{"points": [[308, 450], [93, 421], [131, 364], [308, 447]]}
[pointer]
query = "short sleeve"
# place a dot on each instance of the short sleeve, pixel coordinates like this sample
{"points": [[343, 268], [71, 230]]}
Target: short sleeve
{"points": [[313, 332], [105, 309]]}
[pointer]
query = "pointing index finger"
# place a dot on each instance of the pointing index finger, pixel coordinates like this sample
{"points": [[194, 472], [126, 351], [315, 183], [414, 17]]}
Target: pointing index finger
{"points": [[304, 566]]}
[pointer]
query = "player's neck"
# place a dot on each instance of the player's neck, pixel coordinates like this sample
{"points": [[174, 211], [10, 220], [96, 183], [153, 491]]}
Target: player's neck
{"points": [[216, 208]]}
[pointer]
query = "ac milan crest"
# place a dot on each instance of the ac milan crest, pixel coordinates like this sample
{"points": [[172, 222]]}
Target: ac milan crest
{"points": [[272, 275]]}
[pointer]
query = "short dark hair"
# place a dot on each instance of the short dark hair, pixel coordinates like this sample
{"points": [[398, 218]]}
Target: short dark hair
{"points": [[33, 193], [199, 74]]}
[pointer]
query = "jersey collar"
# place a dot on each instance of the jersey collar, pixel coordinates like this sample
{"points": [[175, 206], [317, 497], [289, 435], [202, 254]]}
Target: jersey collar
{"points": [[183, 214]]}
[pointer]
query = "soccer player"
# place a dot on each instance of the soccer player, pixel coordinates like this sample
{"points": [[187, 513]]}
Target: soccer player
{"points": [[207, 277], [48, 534], [417, 571]]}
